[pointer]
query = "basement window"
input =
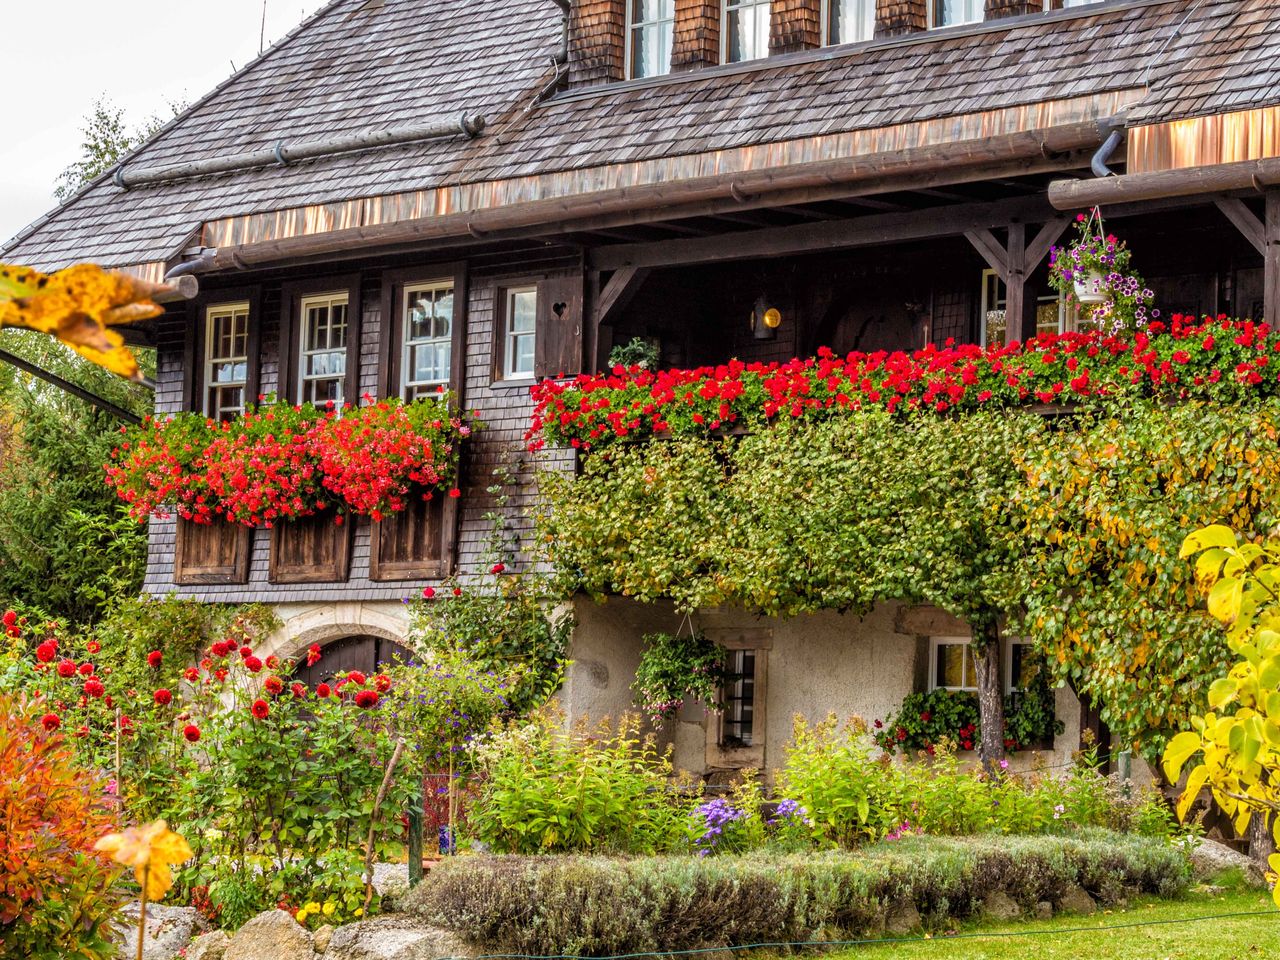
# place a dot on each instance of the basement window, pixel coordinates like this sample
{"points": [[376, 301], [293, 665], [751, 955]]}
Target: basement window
{"points": [[950, 13], [226, 365], [323, 349], [848, 21], [426, 354], [650, 35], [737, 726], [746, 30]]}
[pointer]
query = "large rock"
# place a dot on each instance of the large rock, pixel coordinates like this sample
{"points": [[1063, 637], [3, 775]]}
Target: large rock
{"points": [[273, 935], [1210, 858], [998, 905], [394, 937], [212, 946], [902, 919], [168, 930], [391, 881], [1077, 900], [322, 937]]}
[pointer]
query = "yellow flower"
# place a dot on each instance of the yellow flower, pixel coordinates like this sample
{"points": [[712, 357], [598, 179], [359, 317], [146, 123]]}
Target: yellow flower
{"points": [[328, 908], [359, 912], [301, 915], [150, 850], [312, 907]]}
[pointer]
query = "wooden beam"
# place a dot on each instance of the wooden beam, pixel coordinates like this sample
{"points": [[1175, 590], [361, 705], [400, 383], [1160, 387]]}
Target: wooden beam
{"points": [[1245, 221], [989, 247], [1220, 178], [866, 231], [1043, 242], [1271, 259], [106, 406], [1020, 305], [617, 293]]}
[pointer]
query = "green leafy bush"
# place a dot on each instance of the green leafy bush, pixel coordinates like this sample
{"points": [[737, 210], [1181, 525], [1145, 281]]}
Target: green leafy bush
{"points": [[549, 789], [586, 906], [674, 669]]}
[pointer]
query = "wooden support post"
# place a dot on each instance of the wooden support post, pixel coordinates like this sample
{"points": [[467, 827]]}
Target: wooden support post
{"points": [[1245, 221], [1271, 259], [1020, 302]]}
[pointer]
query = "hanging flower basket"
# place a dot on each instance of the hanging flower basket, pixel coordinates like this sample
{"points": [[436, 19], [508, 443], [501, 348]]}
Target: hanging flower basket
{"points": [[1090, 288], [1094, 272]]}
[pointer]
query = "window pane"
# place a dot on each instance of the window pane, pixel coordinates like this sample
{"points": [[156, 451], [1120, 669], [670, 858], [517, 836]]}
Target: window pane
{"points": [[950, 665], [747, 30], [524, 306], [851, 21], [948, 13], [1016, 654], [739, 697]]}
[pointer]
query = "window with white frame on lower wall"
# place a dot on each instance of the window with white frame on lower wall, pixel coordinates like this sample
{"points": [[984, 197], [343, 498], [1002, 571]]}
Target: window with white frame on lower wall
{"points": [[848, 21], [950, 13], [952, 667], [1052, 312], [519, 341], [322, 345], [651, 28], [426, 348], [746, 30], [737, 723], [226, 360]]}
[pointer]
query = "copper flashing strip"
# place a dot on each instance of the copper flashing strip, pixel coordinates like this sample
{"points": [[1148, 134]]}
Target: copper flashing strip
{"points": [[1203, 141]]}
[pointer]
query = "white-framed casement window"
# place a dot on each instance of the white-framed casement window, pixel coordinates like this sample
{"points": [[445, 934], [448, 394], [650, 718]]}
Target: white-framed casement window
{"points": [[1052, 312], [746, 30], [950, 13], [737, 724], [322, 344], [520, 332], [651, 27], [426, 353], [952, 667], [226, 359], [848, 21]]}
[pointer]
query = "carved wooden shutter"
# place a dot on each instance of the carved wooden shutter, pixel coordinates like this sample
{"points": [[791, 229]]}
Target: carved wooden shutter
{"points": [[417, 543], [311, 550], [559, 347], [216, 552]]}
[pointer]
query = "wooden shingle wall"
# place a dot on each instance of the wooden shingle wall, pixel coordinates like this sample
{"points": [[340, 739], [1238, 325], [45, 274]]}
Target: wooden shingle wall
{"points": [[995, 9], [896, 17], [596, 41], [795, 25], [697, 34]]}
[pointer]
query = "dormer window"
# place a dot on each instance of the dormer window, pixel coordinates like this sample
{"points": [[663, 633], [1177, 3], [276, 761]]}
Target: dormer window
{"points": [[650, 33], [950, 13], [746, 30], [849, 21]]}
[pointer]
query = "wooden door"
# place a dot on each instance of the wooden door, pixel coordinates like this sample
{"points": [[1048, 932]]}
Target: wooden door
{"points": [[362, 653]]}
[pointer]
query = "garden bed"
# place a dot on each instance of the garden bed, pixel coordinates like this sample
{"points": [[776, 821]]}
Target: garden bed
{"points": [[606, 906]]}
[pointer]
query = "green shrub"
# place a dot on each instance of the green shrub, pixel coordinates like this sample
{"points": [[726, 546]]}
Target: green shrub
{"points": [[598, 906], [549, 789]]}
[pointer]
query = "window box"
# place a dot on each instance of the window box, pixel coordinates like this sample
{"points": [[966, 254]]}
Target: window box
{"points": [[311, 550], [208, 553]]}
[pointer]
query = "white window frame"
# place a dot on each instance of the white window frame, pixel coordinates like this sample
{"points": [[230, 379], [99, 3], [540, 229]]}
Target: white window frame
{"points": [[212, 314], [933, 15], [1067, 315], [511, 337], [337, 298], [408, 385], [726, 6], [633, 25], [826, 23], [1006, 672]]}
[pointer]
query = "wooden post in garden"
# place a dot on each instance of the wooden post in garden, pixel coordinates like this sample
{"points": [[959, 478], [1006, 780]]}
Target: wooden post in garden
{"points": [[1271, 260], [415, 841]]}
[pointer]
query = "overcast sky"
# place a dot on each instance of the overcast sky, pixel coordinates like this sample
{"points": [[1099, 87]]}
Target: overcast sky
{"points": [[140, 54]]}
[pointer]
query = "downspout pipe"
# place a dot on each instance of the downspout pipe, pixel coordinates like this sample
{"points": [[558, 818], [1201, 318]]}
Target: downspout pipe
{"points": [[1114, 130], [566, 9]]}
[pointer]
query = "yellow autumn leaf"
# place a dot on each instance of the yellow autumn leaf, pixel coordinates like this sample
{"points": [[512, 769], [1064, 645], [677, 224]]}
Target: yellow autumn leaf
{"points": [[151, 850], [79, 306]]}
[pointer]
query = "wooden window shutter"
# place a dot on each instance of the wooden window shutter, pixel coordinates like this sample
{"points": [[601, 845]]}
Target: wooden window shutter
{"points": [[895, 17], [559, 345], [795, 25], [311, 550], [696, 42], [215, 552], [417, 543]]}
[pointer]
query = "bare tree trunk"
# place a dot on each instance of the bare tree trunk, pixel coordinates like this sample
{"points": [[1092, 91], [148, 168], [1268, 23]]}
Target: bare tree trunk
{"points": [[1260, 843], [987, 660]]}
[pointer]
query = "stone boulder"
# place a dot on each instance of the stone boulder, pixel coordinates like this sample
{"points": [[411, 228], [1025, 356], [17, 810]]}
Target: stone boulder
{"points": [[168, 930], [1077, 900], [393, 937], [998, 905], [391, 881], [273, 935], [322, 937], [212, 946], [1043, 910], [1210, 858], [903, 919]]}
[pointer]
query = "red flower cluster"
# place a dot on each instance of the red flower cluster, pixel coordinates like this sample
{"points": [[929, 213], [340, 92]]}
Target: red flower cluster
{"points": [[1218, 358], [260, 709], [10, 621], [154, 658], [281, 462]]}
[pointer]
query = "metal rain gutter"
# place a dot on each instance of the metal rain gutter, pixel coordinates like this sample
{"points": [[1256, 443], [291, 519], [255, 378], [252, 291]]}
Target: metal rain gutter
{"points": [[282, 154]]}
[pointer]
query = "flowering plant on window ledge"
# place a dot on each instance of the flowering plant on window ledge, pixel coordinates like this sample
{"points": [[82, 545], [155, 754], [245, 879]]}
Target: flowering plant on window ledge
{"points": [[1096, 273], [284, 462]]}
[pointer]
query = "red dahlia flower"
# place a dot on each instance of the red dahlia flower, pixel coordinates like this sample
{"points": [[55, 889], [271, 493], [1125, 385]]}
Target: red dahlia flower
{"points": [[273, 685], [154, 659], [313, 654], [191, 732], [323, 691], [93, 687], [66, 668], [382, 683], [299, 690], [428, 593], [50, 721], [93, 646], [46, 651], [260, 709], [498, 568], [245, 651], [366, 699], [86, 669], [252, 664], [191, 674], [273, 662], [10, 618], [163, 697], [356, 677]]}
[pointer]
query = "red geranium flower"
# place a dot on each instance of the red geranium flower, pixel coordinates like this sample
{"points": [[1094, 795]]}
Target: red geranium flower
{"points": [[50, 721], [191, 732], [252, 664], [366, 699], [428, 593], [260, 709], [66, 668], [93, 687], [154, 658], [497, 568], [163, 697], [323, 691], [273, 685]]}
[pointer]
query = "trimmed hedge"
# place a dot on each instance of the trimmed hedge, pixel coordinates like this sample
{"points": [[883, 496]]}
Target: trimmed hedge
{"points": [[600, 906]]}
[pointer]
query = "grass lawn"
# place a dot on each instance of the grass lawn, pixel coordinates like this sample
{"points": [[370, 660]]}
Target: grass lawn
{"points": [[1237, 938]]}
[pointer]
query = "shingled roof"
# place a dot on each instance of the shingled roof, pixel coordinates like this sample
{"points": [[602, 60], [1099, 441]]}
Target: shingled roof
{"points": [[359, 65]]}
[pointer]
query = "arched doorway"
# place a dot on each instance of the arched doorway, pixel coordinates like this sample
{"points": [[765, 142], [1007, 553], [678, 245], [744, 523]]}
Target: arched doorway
{"points": [[363, 653]]}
